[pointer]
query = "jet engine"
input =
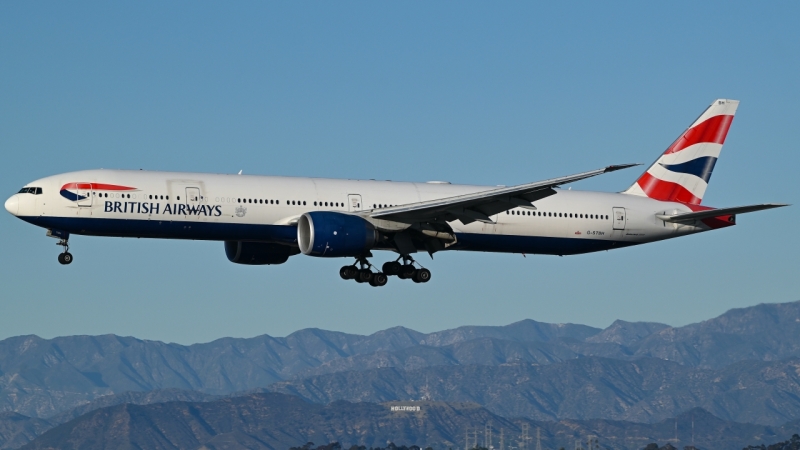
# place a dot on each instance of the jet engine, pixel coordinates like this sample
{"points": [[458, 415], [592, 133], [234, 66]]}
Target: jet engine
{"points": [[257, 253], [331, 234]]}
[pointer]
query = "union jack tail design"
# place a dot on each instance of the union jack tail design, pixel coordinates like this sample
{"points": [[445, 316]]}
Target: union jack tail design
{"points": [[681, 174]]}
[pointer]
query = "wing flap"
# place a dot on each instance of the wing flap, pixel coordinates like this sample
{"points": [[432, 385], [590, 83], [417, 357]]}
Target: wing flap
{"points": [[479, 206]]}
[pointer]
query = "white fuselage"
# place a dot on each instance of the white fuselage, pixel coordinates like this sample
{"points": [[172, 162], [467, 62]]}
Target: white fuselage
{"points": [[177, 205]]}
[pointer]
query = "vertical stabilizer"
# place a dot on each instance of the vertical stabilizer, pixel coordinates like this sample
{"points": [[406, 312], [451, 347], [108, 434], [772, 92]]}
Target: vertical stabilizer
{"points": [[682, 173]]}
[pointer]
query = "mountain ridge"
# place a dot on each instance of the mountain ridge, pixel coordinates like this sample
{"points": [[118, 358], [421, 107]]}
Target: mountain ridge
{"points": [[273, 421], [41, 378]]}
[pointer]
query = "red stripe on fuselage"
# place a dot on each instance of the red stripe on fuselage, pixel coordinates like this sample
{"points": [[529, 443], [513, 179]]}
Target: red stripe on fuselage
{"points": [[666, 190], [97, 187], [713, 130]]}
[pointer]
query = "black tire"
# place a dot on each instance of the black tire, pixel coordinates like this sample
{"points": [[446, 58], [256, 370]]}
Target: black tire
{"points": [[422, 276], [392, 268], [348, 272], [364, 276], [407, 272], [378, 279], [61, 259]]}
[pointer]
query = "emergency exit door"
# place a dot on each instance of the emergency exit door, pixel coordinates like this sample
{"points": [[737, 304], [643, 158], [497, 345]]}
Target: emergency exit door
{"points": [[619, 218]]}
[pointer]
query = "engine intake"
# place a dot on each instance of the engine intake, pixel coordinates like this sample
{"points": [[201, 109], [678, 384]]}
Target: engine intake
{"points": [[257, 253], [331, 234]]}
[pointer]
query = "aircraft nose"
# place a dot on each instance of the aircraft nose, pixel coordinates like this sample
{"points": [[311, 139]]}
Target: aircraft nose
{"points": [[12, 204]]}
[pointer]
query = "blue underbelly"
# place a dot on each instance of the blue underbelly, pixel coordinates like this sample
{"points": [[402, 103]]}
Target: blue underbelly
{"points": [[532, 244], [287, 234]]}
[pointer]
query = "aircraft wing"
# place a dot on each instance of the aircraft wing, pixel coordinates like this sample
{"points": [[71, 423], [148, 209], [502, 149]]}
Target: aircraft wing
{"points": [[709, 213], [479, 206]]}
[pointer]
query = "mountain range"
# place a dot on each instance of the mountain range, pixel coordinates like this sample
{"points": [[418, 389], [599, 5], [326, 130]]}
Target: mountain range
{"points": [[276, 421], [743, 367]]}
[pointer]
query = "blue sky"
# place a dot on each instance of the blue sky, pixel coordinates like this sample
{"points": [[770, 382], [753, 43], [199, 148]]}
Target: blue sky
{"points": [[484, 93]]}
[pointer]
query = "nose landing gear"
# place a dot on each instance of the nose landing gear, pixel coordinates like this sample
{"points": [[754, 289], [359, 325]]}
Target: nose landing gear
{"points": [[65, 257], [63, 240]]}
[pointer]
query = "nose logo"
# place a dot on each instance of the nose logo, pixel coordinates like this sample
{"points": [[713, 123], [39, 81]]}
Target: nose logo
{"points": [[80, 191]]}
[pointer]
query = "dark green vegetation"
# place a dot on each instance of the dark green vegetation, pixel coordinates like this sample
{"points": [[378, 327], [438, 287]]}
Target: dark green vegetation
{"points": [[791, 444], [743, 367]]}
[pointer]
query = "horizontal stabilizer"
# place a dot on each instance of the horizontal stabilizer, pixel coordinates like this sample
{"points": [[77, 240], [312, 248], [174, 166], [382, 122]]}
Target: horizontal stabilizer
{"points": [[709, 213]]}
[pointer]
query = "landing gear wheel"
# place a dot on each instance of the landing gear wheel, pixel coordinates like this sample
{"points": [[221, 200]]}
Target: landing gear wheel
{"points": [[422, 276], [364, 276], [65, 258], [407, 271], [392, 268], [378, 279], [348, 272]]}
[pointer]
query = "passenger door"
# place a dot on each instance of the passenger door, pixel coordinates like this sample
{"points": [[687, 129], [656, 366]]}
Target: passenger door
{"points": [[354, 202], [85, 193], [192, 196], [619, 218]]}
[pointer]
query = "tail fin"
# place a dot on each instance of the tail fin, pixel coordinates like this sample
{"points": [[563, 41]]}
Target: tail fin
{"points": [[681, 174]]}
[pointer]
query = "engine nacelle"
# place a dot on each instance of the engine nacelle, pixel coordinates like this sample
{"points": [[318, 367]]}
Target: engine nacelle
{"points": [[257, 253], [331, 234]]}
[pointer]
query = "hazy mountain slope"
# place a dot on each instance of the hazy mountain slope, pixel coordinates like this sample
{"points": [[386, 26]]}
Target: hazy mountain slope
{"points": [[644, 390], [274, 421], [135, 398], [479, 351], [41, 377], [522, 331], [17, 430], [626, 333], [765, 332]]}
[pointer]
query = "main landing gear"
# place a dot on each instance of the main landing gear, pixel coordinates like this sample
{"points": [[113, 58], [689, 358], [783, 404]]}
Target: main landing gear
{"points": [[65, 257], [362, 272]]}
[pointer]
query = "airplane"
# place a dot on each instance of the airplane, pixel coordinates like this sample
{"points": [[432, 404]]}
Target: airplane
{"points": [[267, 219]]}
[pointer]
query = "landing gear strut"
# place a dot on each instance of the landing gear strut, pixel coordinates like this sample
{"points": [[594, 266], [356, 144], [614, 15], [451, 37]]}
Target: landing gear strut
{"points": [[362, 272], [65, 257], [406, 270]]}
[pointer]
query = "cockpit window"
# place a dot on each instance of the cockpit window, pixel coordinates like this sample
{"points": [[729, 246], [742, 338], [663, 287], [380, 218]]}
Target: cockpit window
{"points": [[31, 190]]}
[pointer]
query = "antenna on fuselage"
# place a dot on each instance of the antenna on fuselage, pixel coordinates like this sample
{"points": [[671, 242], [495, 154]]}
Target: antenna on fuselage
{"points": [[240, 172]]}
